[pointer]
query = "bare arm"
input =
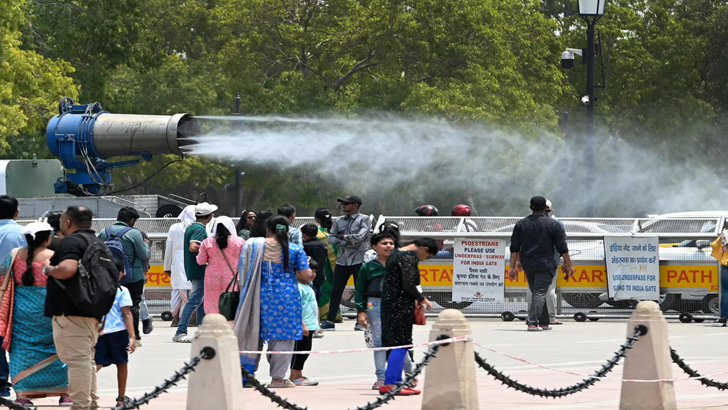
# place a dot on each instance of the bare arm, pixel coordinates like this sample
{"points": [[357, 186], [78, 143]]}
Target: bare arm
{"points": [[65, 270], [194, 246], [129, 322]]}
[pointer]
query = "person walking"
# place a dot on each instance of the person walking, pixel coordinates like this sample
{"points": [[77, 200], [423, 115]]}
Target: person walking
{"points": [[245, 224], [350, 233], [75, 331], [10, 238], [401, 294], [136, 249], [220, 253], [195, 234], [294, 234], [533, 240], [27, 333], [323, 219], [270, 301], [174, 263], [551, 293]]}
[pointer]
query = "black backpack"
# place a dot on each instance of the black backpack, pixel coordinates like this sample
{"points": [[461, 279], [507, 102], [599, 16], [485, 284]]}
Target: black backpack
{"points": [[94, 289]]}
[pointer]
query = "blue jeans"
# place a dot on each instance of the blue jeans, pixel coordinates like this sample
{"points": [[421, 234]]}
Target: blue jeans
{"points": [[197, 296], [375, 324], [395, 364], [723, 291]]}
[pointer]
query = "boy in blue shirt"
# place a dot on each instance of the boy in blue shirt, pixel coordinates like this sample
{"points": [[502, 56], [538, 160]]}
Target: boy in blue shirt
{"points": [[310, 325], [117, 338]]}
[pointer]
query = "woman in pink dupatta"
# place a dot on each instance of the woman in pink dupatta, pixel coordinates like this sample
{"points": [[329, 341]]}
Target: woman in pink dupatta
{"points": [[220, 252]]}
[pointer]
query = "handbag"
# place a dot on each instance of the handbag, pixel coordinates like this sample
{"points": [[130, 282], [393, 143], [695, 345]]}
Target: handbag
{"points": [[420, 318], [229, 300]]}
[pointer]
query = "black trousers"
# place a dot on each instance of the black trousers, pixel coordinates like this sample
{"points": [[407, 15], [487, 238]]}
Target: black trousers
{"points": [[538, 283], [303, 345], [136, 290], [341, 276]]}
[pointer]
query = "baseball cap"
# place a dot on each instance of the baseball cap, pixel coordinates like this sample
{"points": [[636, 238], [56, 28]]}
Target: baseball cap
{"points": [[204, 209], [549, 205], [538, 201], [351, 199]]}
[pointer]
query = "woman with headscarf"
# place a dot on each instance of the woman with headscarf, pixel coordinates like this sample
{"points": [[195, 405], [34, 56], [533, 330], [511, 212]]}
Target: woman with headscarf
{"points": [[245, 224], [35, 369], [325, 222], [174, 262], [270, 302], [220, 252]]}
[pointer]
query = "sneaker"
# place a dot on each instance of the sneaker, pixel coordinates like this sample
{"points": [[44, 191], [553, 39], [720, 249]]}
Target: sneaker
{"points": [[318, 334], [282, 384], [182, 338], [404, 392], [359, 328], [377, 384], [719, 323], [24, 402], [65, 401], [546, 327], [303, 381], [326, 325], [147, 326], [556, 323], [339, 321], [138, 343], [532, 328]]}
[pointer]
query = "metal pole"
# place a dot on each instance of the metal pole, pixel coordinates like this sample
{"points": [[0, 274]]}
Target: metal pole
{"points": [[590, 138], [238, 174]]}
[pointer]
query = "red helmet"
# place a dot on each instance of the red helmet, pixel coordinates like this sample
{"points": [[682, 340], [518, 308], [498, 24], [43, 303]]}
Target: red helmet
{"points": [[427, 210], [461, 210]]}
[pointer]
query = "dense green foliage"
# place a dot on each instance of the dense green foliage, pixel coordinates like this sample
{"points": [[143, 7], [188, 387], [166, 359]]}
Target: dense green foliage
{"points": [[495, 61]]}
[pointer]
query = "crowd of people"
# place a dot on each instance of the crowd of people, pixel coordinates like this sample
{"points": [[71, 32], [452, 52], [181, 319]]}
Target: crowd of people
{"points": [[290, 283]]}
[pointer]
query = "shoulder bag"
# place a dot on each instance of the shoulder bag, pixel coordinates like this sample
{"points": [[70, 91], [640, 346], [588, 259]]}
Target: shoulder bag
{"points": [[229, 299]]}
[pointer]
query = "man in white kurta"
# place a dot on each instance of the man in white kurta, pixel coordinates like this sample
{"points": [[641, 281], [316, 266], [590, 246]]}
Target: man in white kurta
{"points": [[174, 262]]}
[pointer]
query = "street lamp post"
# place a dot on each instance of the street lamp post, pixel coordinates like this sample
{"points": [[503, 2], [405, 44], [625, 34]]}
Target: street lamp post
{"points": [[591, 11]]}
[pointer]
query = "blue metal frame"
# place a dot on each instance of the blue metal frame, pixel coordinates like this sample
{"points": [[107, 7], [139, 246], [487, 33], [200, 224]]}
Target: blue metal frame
{"points": [[69, 134]]}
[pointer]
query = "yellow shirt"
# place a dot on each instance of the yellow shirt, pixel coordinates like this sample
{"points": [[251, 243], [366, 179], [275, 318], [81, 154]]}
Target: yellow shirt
{"points": [[718, 252]]}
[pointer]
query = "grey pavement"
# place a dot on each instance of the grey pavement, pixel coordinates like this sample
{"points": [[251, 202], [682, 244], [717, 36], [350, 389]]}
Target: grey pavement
{"points": [[346, 379]]}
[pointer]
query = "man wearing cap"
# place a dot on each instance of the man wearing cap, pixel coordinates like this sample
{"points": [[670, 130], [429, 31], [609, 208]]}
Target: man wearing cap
{"points": [[194, 235], [533, 241], [350, 233], [551, 294]]}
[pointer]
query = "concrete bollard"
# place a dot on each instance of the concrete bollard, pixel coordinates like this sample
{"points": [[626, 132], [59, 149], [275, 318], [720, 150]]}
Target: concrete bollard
{"points": [[649, 359], [216, 383], [450, 381]]}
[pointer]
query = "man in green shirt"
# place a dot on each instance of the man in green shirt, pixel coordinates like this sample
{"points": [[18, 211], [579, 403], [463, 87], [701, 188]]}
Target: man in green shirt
{"points": [[194, 235], [136, 248]]}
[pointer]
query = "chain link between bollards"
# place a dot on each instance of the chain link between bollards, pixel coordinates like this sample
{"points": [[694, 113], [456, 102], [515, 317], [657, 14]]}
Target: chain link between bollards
{"points": [[694, 374], [281, 402], [639, 330]]}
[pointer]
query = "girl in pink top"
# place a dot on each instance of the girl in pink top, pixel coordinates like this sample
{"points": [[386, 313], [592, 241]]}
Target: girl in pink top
{"points": [[220, 252]]}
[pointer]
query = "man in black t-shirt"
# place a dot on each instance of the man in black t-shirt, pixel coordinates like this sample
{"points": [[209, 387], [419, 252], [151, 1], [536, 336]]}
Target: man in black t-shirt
{"points": [[74, 332]]}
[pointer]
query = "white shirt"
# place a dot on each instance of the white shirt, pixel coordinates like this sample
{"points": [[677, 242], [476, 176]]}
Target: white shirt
{"points": [[174, 258]]}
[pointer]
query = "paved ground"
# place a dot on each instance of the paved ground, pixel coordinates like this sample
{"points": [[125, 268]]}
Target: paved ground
{"points": [[346, 379]]}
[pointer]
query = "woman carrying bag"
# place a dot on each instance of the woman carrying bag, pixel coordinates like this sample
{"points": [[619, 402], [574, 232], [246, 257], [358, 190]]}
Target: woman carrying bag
{"points": [[220, 252]]}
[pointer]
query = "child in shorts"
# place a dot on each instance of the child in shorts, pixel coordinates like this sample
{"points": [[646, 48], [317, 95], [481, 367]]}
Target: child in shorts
{"points": [[117, 339], [310, 325]]}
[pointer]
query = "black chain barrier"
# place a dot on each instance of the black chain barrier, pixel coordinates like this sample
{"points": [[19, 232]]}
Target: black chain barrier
{"points": [[639, 330], [206, 353], [692, 373], [383, 399]]}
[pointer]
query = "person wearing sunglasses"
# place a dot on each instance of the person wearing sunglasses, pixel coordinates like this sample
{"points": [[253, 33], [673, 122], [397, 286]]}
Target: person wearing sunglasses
{"points": [[246, 223]]}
